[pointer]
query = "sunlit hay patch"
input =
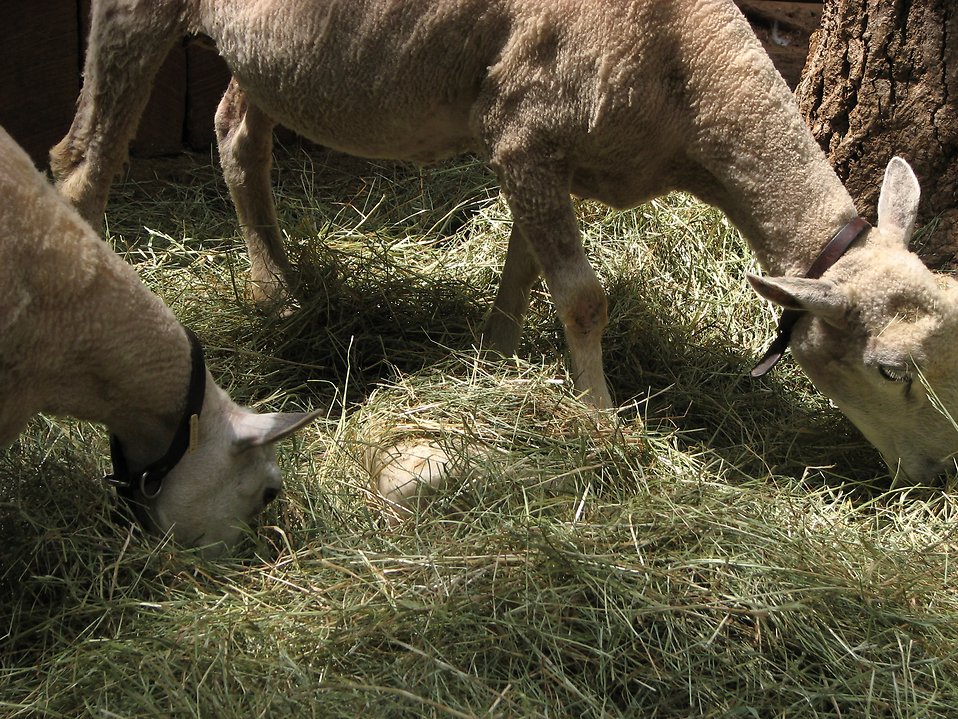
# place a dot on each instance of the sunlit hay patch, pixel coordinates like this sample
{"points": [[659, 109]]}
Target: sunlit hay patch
{"points": [[471, 432]]}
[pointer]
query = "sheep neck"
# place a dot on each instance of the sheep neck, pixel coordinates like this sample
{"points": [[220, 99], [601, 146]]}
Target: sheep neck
{"points": [[149, 480], [145, 423], [755, 158], [788, 224], [122, 353]]}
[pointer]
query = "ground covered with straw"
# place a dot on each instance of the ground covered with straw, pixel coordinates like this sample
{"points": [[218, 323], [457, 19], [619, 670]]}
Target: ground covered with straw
{"points": [[722, 547]]}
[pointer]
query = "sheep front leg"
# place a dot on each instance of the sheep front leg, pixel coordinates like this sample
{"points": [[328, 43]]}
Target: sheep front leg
{"points": [[554, 239], [583, 309], [127, 44], [245, 137], [503, 327]]}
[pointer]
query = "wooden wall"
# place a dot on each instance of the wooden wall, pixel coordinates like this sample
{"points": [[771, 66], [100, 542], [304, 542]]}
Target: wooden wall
{"points": [[41, 59]]}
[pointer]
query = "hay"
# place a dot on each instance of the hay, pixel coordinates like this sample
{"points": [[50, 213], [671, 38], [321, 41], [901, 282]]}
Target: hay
{"points": [[733, 555], [451, 427]]}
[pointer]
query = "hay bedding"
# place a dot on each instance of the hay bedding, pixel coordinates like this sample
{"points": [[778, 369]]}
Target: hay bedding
{"points": [[445, 429], [565, 567]]}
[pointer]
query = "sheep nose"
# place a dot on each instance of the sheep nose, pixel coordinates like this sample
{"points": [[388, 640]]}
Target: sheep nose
{"points": [[269, 494]]}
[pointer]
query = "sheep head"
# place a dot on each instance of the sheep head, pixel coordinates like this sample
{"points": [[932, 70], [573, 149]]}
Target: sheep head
{"points": [[230, 474], [879, 337]]}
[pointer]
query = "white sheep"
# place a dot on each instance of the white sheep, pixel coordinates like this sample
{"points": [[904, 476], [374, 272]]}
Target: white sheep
{"points": [[81, 336], [618, 101]]}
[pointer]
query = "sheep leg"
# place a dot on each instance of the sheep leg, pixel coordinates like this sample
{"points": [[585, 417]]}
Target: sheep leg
{"points": [[552, 233], [245, 137], [126, 46], [582, 306], [503, 327]]}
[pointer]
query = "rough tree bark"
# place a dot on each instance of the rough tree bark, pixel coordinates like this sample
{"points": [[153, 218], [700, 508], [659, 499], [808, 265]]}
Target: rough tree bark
{"points": [[881, 79]]}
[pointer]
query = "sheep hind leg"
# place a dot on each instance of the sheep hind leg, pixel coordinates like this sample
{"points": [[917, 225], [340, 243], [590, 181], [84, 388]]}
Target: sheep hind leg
{"points": [[503, 327], [125, 49], [244, 134]]}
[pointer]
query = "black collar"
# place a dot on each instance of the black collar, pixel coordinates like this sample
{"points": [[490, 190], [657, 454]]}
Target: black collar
{"points": [[149, 482], [832, 252]]}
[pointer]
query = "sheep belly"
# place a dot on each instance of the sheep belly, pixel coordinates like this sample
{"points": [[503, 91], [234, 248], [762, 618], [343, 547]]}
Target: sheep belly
{"points": [[389, 80], [423, 133]]}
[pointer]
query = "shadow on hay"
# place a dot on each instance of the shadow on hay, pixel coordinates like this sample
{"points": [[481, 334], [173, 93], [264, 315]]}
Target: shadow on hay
{"points": [[693, 377], [365, 313]]}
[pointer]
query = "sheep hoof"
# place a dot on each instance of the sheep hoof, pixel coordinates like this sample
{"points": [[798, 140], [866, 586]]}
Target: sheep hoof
{"points": [[272, 298]]}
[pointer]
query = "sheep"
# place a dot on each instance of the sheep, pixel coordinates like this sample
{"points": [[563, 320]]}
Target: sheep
{"points": [[615, 101], [81, 336]]}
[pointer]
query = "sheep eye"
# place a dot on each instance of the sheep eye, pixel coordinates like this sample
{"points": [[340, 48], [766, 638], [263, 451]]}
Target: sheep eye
{"points": [[895, 373]]}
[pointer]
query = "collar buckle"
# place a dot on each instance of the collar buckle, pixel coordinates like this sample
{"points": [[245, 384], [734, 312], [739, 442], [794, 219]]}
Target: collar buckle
{"points": [[145, 480]]}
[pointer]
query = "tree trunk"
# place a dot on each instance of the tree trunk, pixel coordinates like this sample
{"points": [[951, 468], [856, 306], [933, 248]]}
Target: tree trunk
{"points": [[881, 79]]}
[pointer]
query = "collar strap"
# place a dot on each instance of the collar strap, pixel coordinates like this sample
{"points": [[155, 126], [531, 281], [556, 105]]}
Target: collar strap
{"points": [[150, 481], [832, 252]]}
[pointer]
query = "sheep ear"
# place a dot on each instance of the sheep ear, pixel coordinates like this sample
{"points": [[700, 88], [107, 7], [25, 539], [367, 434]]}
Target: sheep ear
{"points": [[822, 298], [256, 430], [898, 202]]}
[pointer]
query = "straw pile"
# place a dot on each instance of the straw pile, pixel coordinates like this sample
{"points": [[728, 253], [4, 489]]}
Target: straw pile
{"points": [[721, 547]]}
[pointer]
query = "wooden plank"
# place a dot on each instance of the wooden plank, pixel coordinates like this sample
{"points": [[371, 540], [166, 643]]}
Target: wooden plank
{"points": [[160, 131], [39, 74], [207, 78], [797, 18]]}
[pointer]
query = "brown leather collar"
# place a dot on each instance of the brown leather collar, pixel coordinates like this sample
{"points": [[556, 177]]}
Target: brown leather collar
{"points": [[835, 248], [148, 482]]}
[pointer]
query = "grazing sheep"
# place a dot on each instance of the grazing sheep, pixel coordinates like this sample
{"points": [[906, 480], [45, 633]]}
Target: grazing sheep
{"points": [[80, 335], [618, 101]]}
